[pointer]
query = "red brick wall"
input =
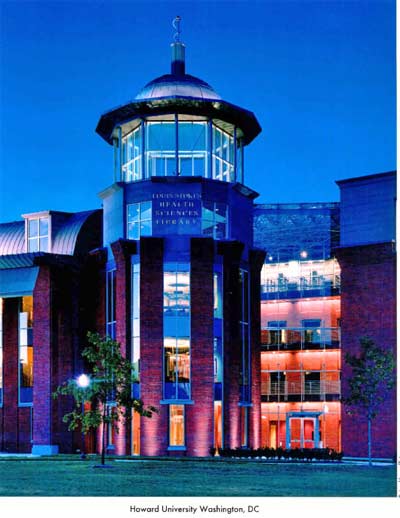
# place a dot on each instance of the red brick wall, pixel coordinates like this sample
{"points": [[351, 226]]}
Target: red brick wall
{"points": [[15, 421], [368, 309], [199, 417], [55, 335], [42, 364], [154, 430]]}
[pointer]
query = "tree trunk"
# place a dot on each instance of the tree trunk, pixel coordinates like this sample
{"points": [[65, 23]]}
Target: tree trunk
{"points": [[103, 439], [369, 441]]}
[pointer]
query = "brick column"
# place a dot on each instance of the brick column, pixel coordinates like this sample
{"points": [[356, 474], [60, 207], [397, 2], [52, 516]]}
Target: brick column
{"points": [[10, 374], [256, 260], [368, 308], [154, 430], [232, 253], [65, 316], [200, 416], [122, 251], [42, 364]]}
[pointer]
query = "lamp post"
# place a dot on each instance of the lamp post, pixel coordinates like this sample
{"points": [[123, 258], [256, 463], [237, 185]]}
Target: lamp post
{"points": [[83, 381]]}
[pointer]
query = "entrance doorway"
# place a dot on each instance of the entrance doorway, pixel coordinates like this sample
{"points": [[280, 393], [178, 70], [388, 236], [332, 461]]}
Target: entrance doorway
{"points": [[302, 430]]}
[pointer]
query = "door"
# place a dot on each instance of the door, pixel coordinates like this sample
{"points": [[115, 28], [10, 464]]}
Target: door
{"points": [[273, 439]]}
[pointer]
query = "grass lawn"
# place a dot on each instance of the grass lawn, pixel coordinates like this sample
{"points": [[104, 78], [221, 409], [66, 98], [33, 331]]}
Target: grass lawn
{"points": [[69, 477]]}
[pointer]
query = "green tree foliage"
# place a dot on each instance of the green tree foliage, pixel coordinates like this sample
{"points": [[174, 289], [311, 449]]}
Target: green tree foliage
{"points": [[108, 397], [372, 378]]}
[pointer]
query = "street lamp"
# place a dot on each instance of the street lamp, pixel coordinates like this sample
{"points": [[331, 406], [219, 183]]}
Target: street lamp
{"points": [[83, 381]]}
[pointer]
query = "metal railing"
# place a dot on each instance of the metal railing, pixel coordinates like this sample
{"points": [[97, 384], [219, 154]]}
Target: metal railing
{"points": [[305, 388], [300, 338], [313, 286]]}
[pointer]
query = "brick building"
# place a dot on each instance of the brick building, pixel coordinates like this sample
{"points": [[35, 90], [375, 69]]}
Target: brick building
{"points": [[172, 269]]}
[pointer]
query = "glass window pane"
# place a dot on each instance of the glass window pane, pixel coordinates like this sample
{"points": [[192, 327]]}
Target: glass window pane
{"points": [[170, 359], [186, 165], [161, 136], [192, 136], [33, 227], [169, 292], [145, 228], [133, 212], [220, 230], [145, 210], [183, 360], [176, 425], [44, 244], [220, 211], [44, 226], [199, 166], [133, 230]]}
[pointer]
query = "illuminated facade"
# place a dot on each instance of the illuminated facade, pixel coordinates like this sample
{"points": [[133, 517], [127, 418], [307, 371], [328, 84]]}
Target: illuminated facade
{"points": [[229, 311], [300, 326]]}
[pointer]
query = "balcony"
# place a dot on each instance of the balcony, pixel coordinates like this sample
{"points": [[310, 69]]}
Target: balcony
{"points": [[328, 390], [281, 288], [300, 338]]}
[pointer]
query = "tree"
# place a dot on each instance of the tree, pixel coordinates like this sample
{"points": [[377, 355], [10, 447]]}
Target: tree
{"points": [[372, 377], [107, 386]]}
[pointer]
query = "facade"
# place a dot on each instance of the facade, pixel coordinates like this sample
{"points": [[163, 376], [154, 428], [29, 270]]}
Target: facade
{"points": [[367, 257], [300, 325], [229, 311]]}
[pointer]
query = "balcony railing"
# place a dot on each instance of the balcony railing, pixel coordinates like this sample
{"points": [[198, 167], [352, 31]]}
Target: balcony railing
{"points": [[300, 338], [300, 390], [301, 287]]}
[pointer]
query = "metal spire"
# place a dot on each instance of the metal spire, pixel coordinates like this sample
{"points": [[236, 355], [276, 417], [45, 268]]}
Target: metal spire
{"points": [[178, 50], [176, 24]]}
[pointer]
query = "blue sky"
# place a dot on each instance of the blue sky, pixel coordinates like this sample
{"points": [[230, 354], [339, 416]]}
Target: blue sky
{"points": [[320, 77]]}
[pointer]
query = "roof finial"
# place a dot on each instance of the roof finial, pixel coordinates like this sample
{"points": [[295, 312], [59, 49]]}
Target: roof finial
{"points": [[178, 50], [176, 24]]}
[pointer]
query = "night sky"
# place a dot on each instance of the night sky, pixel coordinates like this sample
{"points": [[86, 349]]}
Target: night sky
{"points": [[320, 77]]}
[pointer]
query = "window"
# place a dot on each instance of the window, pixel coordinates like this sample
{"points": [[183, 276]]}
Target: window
{"points": [[136, 316], [214, 219], [312, 331], [244, 427], [176, 425], [176, 331], [218, 327], [132, 156], [111, 318], [25, 351], [38, 234], [277, 382], [277, 333], [223, 154], [192, 145], [245, 381], [312, 382], [161, 148], [218, 302], [139, 220], [218, 364]]}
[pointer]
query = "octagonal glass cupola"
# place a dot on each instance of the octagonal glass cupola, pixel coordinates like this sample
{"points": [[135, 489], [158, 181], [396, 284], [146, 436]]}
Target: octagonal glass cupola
{"points": [[177, 125]]}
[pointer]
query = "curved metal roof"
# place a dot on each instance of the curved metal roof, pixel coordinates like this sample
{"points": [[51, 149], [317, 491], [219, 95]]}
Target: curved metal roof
{"points": [[12, 238], [170, 85], [211, 108], [64, 239], [66, 229]]}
